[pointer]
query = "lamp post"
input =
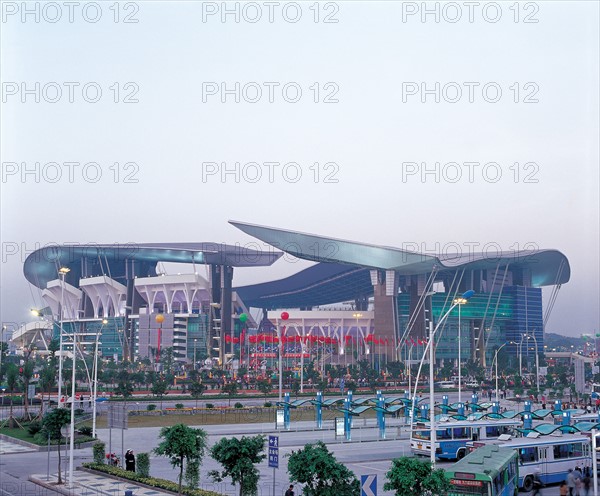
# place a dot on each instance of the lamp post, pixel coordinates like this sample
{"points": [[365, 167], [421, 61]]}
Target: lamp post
{"points": [[496, 360], [160, 318], [72, 428], [537, 362], [95, 393], [357, 316], [195, 347], [460, 302], [62, 272], [429, 347], [1, 347]]}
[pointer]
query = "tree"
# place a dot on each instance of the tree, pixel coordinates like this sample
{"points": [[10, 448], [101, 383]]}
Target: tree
{"points": [[264, 386], [12, 380], [296, 388], [322, 475], [238, 458], [230, 389], [159, 388], [184, 445], [414, 477], [53, 422], [196, 390], [28, 369], [46, 382]]}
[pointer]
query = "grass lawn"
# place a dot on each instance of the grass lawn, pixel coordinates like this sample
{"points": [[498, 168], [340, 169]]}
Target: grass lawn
{"points": [[23, 435], [215, 417]]}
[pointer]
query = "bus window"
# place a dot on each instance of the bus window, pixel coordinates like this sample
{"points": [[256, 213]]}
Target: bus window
{"points": [[575, 450], [528, 455], [461, 433], [561, 451], [421, 435], [492, 431], [444, 434]]}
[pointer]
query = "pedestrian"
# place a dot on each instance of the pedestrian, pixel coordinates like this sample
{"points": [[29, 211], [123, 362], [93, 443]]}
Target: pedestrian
{"points": [[290, 491], [571, 482], [537, 483], [130, 461], [564, 489], [587, 482]]}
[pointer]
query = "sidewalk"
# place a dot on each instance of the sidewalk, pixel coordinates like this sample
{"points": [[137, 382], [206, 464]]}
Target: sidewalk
{"points": [[86, 484]]}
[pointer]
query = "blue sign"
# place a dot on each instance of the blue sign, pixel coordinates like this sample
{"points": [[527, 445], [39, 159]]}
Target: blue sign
{"points": [[368, 485], [273, 451]]}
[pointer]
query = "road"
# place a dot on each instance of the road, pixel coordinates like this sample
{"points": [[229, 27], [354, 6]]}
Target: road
{"points": [[363, 456]]}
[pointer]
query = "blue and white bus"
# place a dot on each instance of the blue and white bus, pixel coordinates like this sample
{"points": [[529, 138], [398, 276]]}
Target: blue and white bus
{"points": [[452, 436], [550, 457]]}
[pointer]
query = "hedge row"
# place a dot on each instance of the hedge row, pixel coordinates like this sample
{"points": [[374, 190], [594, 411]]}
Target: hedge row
{"points": [[149, 481]]}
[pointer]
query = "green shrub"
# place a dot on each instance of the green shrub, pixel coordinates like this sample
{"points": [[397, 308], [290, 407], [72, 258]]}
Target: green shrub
{"points": [[79, 412], [268, 404], [34, 427], [151, 407], [99, 450], [238, 405], [85, 430], [41, 437], [210, 405], [179, 406], [142, 464]]}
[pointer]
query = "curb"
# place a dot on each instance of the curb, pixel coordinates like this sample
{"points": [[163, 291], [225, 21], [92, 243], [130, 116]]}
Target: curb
{"points": [[37, 447]]}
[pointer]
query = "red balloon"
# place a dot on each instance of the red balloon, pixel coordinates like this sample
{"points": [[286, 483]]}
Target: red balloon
{"points": [[285, 315]]}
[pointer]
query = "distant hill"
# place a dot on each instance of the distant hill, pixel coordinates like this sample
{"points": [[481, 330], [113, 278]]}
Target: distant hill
{"points": [[564, 343]]}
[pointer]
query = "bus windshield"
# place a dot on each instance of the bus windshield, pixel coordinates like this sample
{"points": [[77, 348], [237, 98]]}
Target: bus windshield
{"points": [[461, 487]]}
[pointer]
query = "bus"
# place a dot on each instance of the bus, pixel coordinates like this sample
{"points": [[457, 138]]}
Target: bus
{"points": [[550, 456], [487, 471], [452, 435]]}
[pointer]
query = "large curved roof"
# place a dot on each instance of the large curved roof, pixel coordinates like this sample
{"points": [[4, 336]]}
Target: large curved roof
{"points": [[42, 265], [330, 282]]}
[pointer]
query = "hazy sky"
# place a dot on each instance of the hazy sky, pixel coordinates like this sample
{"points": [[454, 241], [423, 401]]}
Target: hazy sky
{"points": [[359, 99]]}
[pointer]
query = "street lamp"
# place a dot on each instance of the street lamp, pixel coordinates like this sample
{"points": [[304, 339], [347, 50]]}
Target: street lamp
{"points": [[496, 360], [95, 393], [358, 316], [537, 362], [1, 347], [195, 346], [72, 429], [429, 346], [62, 272], [460, 302]]}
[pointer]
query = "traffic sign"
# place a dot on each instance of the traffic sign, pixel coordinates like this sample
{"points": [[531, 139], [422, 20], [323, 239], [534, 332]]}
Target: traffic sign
{"points": [[368, 485], [273, 452]]}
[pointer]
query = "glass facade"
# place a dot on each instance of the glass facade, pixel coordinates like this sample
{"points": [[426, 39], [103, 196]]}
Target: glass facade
{"points": [[518, 314]]}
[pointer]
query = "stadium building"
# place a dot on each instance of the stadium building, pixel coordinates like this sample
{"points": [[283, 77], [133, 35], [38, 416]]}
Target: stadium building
{"points": [[358, 300]]}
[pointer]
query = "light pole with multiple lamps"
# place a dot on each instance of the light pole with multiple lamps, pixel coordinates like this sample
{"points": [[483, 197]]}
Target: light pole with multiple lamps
{"points": [[62, 272], [195, 347], [429, 347], [95, 393], [460, 302], [496, 360]]}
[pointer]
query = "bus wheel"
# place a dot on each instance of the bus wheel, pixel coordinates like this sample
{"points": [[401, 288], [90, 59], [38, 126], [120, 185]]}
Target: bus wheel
{"points": [[528, 483], [461, 454]]}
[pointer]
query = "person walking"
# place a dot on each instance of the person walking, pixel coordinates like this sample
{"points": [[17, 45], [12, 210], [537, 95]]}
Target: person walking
{"points": [[571, 482], [290, 491], [587, 482], [537, 484], [564, 489]]}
